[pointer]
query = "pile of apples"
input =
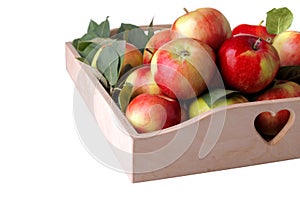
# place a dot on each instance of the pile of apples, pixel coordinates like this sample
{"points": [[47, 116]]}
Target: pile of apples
{"points": [[181, 63]]}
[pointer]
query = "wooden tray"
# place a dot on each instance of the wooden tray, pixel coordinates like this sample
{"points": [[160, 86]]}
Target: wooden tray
{"points": [[222, 138]]}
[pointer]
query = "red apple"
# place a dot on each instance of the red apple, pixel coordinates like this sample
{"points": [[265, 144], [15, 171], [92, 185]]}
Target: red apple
{"points": [[256, 30], [270, 125], [248, 64], [148, 112], [205, 24], [156, 41], [183, 67], [142, 81], [287, 44]]}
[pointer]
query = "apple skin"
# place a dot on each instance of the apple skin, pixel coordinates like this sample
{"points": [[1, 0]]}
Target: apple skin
{"points": [[270, 125], [148, 112], [256, 30], [199, 106], [287, 45], [205, 24], [183, 67], [156, 41], [247, 63], [132, 58], [142, 81]]}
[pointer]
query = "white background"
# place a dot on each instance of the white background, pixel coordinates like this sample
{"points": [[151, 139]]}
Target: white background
{"points": [[41, 156]]}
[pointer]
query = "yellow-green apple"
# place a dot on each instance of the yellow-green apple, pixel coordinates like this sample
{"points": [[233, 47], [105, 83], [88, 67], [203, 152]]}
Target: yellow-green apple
{"points": [[148, 112], [287, 44], [268, 124], [183, 67], [156, 41], [247, 63], [142, 81], [205, 24], [200, 106], [256, 30]]}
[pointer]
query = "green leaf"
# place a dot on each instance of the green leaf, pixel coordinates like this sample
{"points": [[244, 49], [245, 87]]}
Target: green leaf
{"points": [[92, 26], [120, 47], [290, 73], [108, 64], [125, 27], [212, 96], [278, 20], [85, 49], [82, 60], [103, 29], [125, 96], [132, 34], [88, 36], [97, 43]]}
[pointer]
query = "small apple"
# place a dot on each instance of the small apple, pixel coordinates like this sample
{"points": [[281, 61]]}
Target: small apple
{"points": [[142, 81], [148, 112], [199, 105], [132, 58], [156, 41], [247, 63], [256, 30], [287, 44], [270, 125], [205, 24], [183, 67]]}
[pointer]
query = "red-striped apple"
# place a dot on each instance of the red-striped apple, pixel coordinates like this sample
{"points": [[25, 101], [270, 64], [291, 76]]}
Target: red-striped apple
{"points": [[148, 112], [142, 81], [156, 41], [183, 67], [287, 44], [205, 24]]}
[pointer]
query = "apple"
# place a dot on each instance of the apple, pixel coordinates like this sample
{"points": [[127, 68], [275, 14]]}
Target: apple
{"points": [[148, 112], [287, 44], [199, 105], [132, 58], [247, 63], [205, 24], [256, 30], [270, 125], [142, 81], [183, 67], [156, 41]]}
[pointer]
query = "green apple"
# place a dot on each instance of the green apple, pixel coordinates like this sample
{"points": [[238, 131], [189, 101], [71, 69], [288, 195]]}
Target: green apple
{"points": [[200, 106]]}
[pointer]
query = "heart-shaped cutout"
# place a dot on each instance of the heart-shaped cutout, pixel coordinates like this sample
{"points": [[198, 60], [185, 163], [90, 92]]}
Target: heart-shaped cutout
{"points": [[272, 126]]}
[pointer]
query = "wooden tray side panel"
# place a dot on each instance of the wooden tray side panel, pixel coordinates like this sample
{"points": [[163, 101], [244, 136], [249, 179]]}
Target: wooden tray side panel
{"points": [[239, 143], [110, 120]]}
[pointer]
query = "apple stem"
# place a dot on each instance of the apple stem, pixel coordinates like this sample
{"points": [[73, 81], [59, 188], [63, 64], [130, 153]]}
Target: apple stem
{"points": [[184, 53], [186, 10], [257, 42], [149, 51], [261, 22]]}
